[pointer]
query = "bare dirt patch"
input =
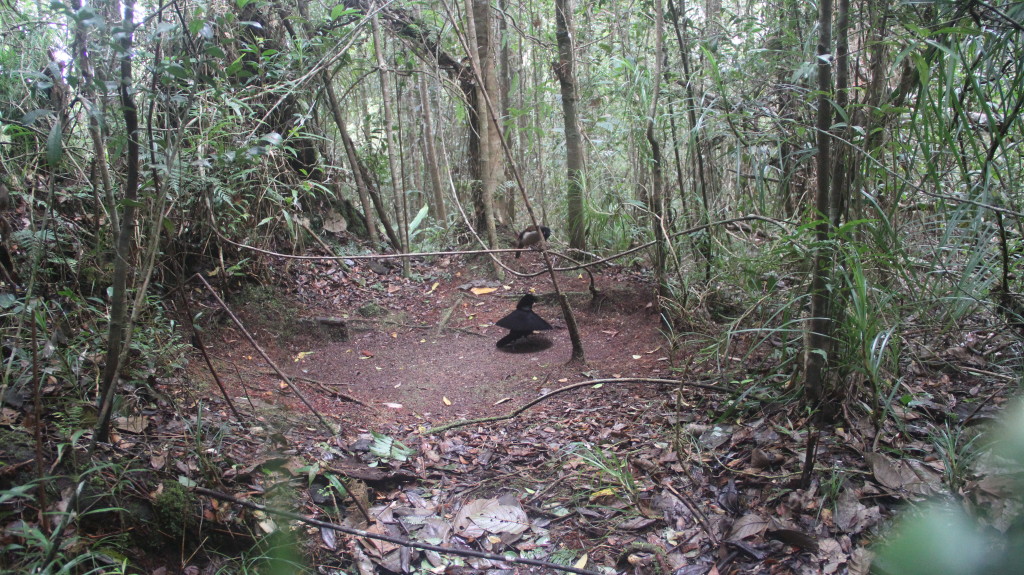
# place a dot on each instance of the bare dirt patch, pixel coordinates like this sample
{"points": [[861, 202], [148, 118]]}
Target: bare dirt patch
{"points": [[420, 353]]}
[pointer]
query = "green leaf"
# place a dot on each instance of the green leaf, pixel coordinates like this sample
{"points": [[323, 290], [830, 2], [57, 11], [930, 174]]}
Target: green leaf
{"points": [[133, 203], [55, 145], [341, 10], [415, 223], [195, 26], [389, 448], [178, 71], [234, 67], [30, 117]]}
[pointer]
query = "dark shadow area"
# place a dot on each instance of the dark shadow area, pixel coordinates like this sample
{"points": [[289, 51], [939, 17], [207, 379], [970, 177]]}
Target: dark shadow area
{"points": [[529, 344]]}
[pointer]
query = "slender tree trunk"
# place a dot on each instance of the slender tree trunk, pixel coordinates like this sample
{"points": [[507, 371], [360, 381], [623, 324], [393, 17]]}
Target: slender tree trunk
{"points": [[657, 195], [840, 188], [124, 257], [565, 71], [508, 199], [437, 208], [401, 208], [87, 96], [488, 155], [818, 339], [362, 174], [867, 116], [696, 139], [353, 160]]}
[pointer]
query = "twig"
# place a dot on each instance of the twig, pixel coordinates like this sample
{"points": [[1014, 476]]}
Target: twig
{"points": [[197, 340], [447, 315], [339, 395], [701, 518], [396, 540], [530, 404], [287, 380], [311, 380], [281, 374]]}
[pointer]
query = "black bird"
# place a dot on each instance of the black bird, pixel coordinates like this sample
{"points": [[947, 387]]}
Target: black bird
{"points": [[530, 236], [521, 322]]}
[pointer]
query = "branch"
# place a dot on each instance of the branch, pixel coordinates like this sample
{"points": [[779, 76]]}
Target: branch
{"points": [[572, 386]]}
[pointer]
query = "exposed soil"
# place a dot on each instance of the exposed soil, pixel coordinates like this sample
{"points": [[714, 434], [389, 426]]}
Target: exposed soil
{"points": [[422, 354]]}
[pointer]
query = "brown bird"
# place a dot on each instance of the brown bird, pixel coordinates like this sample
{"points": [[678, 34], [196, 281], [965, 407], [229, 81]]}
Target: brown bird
{"points": [[521, 322], [531, 237]]}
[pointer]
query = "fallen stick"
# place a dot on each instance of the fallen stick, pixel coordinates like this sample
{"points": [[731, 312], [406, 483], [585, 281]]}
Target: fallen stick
{"points": [[530, 404]]}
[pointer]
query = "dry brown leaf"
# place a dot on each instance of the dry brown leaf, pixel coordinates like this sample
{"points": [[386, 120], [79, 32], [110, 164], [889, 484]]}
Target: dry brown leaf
{"points": [[749, 525]]}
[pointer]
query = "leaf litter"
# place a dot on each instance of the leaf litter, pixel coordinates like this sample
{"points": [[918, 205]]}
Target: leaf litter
{"points": [[623, 477]]}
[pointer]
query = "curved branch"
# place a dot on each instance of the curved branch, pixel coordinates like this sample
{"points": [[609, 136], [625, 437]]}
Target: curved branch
{"points": [[570, 387]]}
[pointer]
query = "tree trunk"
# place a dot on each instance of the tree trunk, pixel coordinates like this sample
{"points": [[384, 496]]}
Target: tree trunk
{"points": [[433, 167], [488, 155], [818, 339], [695, 141], [657, 195], [507, 71], [353, 160], [124, 258], [565, 71], [362, 174], [842, 174], [401, 207]]}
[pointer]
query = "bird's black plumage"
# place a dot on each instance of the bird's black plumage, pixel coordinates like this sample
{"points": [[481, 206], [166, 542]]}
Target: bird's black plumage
{"points": [[521, 322], [531, 236]]}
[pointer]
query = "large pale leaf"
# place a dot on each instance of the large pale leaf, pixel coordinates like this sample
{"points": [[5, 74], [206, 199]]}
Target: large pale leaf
{"points": [[747, 526], [903, 475], [482, 516]]}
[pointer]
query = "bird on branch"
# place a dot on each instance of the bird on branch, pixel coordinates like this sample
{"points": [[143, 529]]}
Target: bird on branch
{"points": [[531, 236]]}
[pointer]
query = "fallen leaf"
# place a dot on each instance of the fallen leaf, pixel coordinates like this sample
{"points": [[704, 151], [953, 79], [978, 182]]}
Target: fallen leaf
{"points": [[482, 516], [482, 290], [446, 400], [908, 474], [747, 526], [795, 538], [636, 523], [133, 424]]}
